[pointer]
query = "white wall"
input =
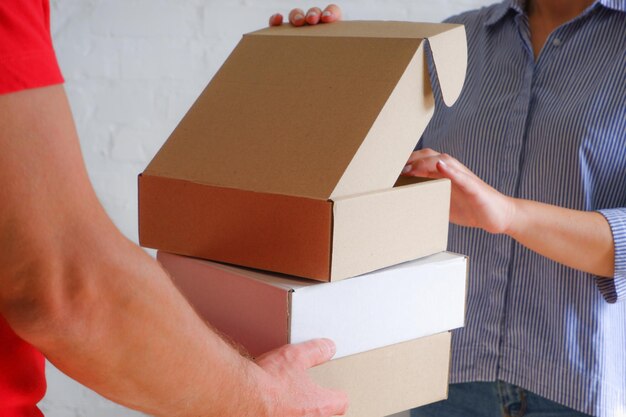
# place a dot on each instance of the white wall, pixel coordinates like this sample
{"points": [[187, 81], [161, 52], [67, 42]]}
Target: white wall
{"points": [[132, 69]]}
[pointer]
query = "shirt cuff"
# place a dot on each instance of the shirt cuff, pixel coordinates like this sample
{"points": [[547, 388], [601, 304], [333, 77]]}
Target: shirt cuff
{"points": [[614, 290]]}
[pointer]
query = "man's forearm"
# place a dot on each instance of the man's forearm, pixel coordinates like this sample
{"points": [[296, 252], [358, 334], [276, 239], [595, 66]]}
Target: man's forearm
{"points": [[101, 309], [113, 320]]}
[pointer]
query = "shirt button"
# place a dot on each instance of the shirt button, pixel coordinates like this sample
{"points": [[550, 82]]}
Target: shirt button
{"points": [[556, 42]]}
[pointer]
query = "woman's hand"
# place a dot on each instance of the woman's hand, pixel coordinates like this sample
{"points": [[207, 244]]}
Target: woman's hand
{"points": [[313, 16], [473, 203], [578, 239]]}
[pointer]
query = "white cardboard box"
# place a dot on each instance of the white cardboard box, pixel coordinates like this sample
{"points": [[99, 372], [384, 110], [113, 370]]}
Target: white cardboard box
{"points": [[262, 311]]}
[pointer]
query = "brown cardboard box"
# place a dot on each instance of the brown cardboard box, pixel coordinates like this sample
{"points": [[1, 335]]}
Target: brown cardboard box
{"points": [[288, 159], [262, 311], [391, 379]]}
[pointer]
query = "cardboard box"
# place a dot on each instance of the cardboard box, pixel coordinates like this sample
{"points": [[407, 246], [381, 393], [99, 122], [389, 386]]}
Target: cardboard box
{"points": [[391, 379], [288, 159], [262, 311]]}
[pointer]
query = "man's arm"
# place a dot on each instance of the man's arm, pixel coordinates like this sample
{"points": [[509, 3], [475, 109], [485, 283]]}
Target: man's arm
{"points": [[579, 239], [103, 311]]}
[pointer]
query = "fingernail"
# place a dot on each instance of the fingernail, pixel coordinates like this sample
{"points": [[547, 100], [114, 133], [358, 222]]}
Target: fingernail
{"points": [[443, 164], [331, 346], [327, 14], [312, 14], [407, 169], [298, 17]]}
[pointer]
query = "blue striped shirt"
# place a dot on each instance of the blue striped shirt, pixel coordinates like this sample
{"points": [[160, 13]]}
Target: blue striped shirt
{"points": [[551, 130]]}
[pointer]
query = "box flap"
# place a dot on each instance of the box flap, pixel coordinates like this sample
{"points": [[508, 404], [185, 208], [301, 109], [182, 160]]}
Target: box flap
{"points": [[447, 42], [314, 112]]}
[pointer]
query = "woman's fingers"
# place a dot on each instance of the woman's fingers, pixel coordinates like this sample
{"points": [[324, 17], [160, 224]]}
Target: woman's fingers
{"points": [[432, 164], [458, 178], [425, 166], [331, 13], [296, 17], [313, 16], [276, 19], [473, 202], [422, 153]]}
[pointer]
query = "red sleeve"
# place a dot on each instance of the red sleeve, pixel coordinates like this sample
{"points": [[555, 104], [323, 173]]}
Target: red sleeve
{"points": [[27, 59], [22, 375]]}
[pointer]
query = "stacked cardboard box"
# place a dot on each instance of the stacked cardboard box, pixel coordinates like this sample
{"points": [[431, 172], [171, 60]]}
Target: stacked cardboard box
{"points": [[289, 163]]}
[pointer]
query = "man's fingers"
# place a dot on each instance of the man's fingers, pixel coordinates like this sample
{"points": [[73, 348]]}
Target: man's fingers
{"points": [[276, 19], [296, 17], [301, 355], [321, 350], [314, 352], [331, 13], [338, 403], [313, 16]]}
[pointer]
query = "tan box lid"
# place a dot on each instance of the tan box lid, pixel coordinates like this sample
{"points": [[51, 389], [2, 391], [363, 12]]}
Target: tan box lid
{"points": [[320, 112]]}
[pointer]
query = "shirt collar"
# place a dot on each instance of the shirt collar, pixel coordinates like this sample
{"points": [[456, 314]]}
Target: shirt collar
{"points": [[619, 5], [502, 9], [518, 6]]}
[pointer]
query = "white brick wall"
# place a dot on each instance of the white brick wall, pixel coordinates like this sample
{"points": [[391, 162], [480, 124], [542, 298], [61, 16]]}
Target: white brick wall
{"points": [[132, 69]]}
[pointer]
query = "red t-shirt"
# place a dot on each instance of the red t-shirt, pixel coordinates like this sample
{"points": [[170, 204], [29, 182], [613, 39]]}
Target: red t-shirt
{"points": [[27, 60]]}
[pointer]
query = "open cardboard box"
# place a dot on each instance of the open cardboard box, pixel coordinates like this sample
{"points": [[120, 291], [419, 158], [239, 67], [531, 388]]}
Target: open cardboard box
{"points": [[262, 311], [288, 159]]}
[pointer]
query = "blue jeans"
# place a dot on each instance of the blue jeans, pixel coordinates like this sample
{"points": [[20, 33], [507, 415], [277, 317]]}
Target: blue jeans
{"points": [[493, 399]]}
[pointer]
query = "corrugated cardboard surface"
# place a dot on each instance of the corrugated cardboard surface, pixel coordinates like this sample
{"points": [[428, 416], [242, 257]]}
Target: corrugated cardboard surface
{"points": [[447, 44], [297, 236], [260, 126], [267, 231], [400, 303], [376, 230], [392, 379]]}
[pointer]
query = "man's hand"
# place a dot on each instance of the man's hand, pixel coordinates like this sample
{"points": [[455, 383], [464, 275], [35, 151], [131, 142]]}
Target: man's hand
{"points": [[313, 16], [291, 391]]}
